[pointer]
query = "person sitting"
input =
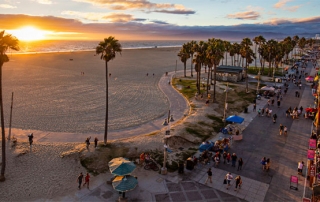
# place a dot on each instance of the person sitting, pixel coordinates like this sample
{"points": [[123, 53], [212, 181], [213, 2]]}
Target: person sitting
{"points": [[230, 131], [237, 132]]}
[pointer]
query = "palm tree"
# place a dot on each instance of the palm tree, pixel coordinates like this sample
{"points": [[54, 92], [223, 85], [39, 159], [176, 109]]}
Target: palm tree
{"points": [[287, 45], [302, 43], [215, 53], [227, 46], [295, 41], [108, 49], [236, 48], [184, 56], [6, 42], [190, 50], [247, 53]]}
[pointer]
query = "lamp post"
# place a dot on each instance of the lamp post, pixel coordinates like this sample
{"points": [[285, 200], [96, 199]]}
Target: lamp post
{"points": [[225, 104], [165, 146], [258, 84]]}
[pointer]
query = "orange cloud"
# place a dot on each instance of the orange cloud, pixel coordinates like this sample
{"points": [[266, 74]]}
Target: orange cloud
{"points": [[282, 5], [247, 15]]}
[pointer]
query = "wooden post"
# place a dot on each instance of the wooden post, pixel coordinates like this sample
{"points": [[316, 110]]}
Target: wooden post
{"points": [[9, 136]]}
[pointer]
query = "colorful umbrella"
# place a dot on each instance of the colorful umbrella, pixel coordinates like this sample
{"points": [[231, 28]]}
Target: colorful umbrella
{"points": [[121, 166], [124, 183], [235, 119], [268, 88]]}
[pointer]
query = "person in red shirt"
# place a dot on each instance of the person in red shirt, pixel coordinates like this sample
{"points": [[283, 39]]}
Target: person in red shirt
{"points": [[87, 179]]}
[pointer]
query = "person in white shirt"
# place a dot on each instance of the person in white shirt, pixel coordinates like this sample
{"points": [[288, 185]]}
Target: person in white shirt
{"points": [[229, 177]]}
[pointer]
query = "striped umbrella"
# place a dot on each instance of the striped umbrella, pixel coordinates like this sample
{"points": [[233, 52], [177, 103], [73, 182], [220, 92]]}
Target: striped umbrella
{"points": [[121, 166]]}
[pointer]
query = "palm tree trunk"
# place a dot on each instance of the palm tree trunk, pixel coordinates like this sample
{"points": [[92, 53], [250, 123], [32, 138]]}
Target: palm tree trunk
{"points": [[208, 80], [247, 89], [255, 60], [191, 65], [214, 83], [107, 109], [3, 135], [226, 58], [185, 68]]}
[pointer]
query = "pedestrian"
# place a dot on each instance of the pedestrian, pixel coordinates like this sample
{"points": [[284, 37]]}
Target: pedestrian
{"points": [[285, 130], [224, 155], [270, 112], [228, 177], [259, 112], [254, 107], [268, 102], [142, 158], [30, 136], [216, 161], [228, 158], [95, 142], [281, 129], [278, 103], [262, 111], [275, 118], [272, 101], [267, 164], [263, 163], [240, 163], [238, 182], [88, 142], [267, 111], [86, 180], [209, 172], [234, 159], [300, 167], [296, 93], [79, 180]]}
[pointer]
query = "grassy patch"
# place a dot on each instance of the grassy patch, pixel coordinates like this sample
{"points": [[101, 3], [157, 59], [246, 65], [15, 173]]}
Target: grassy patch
{"points": [[246, 96], [97, 162], [189, 87], [217, 122]]}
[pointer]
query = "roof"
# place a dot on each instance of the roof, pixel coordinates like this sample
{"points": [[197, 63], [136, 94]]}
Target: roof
{"points": [[230, 69]]}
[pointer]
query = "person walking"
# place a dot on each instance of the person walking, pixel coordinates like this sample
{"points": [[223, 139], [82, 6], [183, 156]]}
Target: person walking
{"points": [[259, 112], [228, 177], [281, 129], [285, 130], [300, 167], [224, 155], [234, 159], [88, 142], [263, 163], [238, 183], [240, 163], [275, 118], [79, 180], [86, 180], [96, 142], [278, 103], [216, 161], [272, 101], [209, 172], [270, 112], [254, 107], [267, 164], [262, 111], [30, 136], [228, 158]]}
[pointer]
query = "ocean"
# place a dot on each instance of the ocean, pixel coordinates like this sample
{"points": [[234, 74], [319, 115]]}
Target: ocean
{"points": [[71, 46]]}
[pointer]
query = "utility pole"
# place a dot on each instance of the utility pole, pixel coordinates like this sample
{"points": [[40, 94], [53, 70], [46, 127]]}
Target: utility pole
{"points": [[9, 136], [225, 105], [165, 146]]}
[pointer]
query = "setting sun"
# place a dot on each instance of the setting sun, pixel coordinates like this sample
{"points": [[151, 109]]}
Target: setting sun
{"points": [[28, 34]]}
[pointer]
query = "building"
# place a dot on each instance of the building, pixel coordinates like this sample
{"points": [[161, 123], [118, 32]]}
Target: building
{"points": [[229, 73]]}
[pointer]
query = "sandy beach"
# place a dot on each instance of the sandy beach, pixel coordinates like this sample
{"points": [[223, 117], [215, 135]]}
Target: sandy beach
{"points": [[50, 94]]}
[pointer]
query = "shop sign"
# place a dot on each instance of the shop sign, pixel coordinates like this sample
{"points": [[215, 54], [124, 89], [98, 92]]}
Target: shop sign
{"points": [[311, 154], [312, 170], [312, 144]]}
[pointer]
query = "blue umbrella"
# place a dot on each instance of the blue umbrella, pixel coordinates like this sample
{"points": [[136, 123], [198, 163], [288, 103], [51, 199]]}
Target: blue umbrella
{"points": [[235, 119], [121, 166], [205, 146], [124, 183]]}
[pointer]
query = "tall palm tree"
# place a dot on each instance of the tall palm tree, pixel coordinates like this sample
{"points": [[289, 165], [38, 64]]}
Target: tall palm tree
{"points": [[6, 42], [190, 50], [295, 41], [287, 45], [247, 53], [215, 53], [108, 49], [302, 43], [184, 56], [236, 48], [227, 46]]}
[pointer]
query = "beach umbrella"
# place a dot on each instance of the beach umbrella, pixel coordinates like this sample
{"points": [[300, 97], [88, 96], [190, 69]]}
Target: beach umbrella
{"points": [[268, 88], [235, 119], [206, 146], [124, 183], [121, 166]]}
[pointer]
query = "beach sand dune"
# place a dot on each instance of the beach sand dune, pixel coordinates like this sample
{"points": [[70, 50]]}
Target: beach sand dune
{"points": [[50, 94]]}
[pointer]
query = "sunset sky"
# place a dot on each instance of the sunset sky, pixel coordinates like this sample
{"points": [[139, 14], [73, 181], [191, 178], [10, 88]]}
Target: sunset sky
{"points": [[159, 19]]}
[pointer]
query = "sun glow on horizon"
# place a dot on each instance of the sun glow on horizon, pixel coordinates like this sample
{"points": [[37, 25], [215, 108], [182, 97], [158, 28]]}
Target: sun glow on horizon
{"points": [[29, 34]]}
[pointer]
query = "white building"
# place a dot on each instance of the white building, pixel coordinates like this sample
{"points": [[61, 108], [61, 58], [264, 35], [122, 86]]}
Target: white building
{"points": [[317, 36]]}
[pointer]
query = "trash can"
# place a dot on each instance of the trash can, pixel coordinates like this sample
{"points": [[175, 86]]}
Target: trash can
{"points": [[245, 109], [190, 164]]}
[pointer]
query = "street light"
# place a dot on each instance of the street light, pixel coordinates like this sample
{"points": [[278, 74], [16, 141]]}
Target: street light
{"points": [[225, 104], [167, 134], [258, 84]]}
